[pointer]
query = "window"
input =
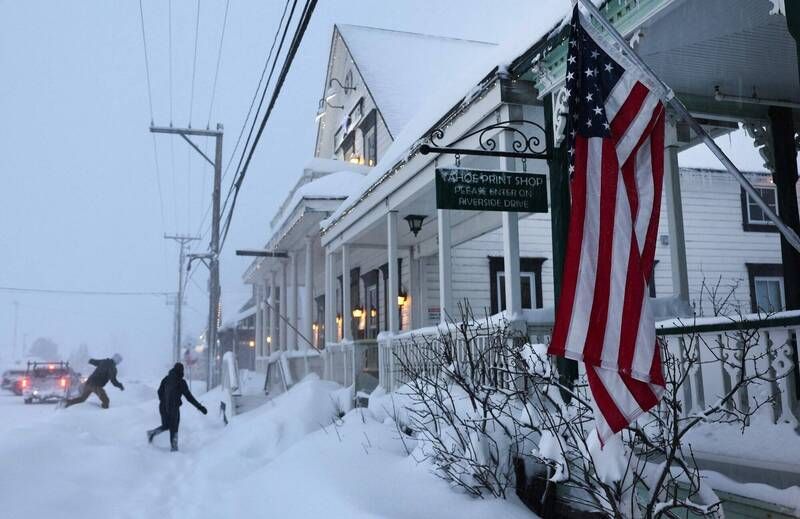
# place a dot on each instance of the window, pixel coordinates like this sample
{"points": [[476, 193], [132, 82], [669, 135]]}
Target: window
{"points": [[753, 216], [372, 307], [769, 293], [318, 326], [355, 115], [527, 287], [349, 148], [370, 136], [337, 138], [766, 287], [530, 283]]}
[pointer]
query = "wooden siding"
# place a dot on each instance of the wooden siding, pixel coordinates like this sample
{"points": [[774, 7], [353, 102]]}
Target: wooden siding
{"points": [[716, 246]]}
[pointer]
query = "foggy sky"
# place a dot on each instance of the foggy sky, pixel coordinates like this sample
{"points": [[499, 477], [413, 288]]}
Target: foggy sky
{"points": [[79, 202]]}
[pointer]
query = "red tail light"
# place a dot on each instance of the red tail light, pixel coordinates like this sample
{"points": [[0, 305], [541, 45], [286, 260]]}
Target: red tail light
{"points": [[51, 366], [23, 382], [63, 381]]}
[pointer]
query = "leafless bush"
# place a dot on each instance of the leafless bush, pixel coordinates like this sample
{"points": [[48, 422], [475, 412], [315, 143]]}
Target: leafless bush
{"points": [[463, 392], [649, 470], [478, 396]]}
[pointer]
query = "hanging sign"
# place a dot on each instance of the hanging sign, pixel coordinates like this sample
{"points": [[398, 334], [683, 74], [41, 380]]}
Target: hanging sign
{"points": [[481, 190]]}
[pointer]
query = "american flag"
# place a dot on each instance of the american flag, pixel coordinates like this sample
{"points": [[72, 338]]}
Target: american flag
{"points": [[615, 137]]}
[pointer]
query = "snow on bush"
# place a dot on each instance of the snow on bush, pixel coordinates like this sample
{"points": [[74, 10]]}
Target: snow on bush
{"points": [[478, 396]]}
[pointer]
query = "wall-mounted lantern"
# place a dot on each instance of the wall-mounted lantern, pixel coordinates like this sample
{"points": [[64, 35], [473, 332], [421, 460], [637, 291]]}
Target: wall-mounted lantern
{"points": [[402, 299], [358, 312], [324, 104]]}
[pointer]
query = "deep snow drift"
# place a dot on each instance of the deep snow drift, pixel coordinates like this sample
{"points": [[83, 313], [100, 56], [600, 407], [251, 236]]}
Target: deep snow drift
{"points": [[285, 459]]}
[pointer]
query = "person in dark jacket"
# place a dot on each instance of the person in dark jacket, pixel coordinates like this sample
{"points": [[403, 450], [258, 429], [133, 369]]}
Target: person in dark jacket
{"points": [[172, 388], [105, 372]]}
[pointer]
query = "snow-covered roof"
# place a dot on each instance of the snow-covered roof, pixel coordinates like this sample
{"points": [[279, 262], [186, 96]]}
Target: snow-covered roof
{"points": [[333, 186], [401, 69], [460, 83], [314, 169]]}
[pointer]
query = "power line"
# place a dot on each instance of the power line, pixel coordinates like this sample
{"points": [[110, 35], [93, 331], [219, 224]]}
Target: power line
{"points": [[146, 62], [219, 59], [169, 21], [258, 88], [150, 101], [81, 292], [266, 84], [249, 112], [298, 37], [194, 63]]}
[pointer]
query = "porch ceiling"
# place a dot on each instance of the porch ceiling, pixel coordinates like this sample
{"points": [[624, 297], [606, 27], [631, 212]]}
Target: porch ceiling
{"points": [[466, 225], [734, 44]]}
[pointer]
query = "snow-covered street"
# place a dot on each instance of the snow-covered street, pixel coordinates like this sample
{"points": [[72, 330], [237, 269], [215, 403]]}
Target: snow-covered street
{"points": [[285, 459]]}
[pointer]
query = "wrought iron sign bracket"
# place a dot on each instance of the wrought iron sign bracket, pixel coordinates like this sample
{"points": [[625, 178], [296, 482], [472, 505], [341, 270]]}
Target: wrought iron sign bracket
{"points": [[523, 145]]}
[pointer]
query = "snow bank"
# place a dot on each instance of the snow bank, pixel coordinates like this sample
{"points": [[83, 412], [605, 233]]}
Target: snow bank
{"points": [[288, 458]]}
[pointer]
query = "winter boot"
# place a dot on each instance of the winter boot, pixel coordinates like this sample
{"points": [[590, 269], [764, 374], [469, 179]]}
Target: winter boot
{"points": [[151, 434], [174, 442]]}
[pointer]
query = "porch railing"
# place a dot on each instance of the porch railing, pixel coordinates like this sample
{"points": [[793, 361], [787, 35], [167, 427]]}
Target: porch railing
{"points": [[773, 349], [353, 363]]}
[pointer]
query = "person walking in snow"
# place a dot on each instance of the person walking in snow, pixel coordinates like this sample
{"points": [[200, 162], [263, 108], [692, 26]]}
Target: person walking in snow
{"points": [[105, 371], [172, 388]]}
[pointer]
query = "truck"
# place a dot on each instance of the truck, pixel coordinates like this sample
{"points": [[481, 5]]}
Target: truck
{"points": [[49, 382]]}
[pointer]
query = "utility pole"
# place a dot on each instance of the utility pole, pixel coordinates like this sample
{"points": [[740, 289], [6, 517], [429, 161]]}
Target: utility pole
{"points": [[212, 258], [182, 240]]}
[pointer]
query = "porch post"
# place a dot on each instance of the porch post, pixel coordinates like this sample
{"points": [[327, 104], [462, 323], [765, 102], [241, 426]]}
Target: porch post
{"points": [[266, 328], [284, 303], [347, 311], [274, 320], [308, 303], [391, 240], [785, 177], [511, 231], [414, 290], [295, 300], [511, 264], [677, 238], [445, 266], [330, 300], [258, 288]]}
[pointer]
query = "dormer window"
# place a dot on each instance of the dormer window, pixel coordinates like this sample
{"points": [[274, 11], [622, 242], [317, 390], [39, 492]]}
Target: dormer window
{"points": [[355, 115]]}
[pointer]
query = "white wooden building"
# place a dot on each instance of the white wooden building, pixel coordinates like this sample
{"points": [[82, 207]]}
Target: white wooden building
{"points": [[357, 276]]}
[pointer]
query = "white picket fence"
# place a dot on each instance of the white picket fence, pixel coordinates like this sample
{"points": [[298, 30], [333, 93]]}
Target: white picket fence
{"points": [[340, 363], [772, 353]]}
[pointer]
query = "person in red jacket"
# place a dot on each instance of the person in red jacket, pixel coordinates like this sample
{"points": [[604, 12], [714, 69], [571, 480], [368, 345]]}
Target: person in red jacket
{"points": [[172, 388], [105, 371]]}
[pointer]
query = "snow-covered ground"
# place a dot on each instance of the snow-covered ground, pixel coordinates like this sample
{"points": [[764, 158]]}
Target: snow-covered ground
{"points": [[285, 459]]}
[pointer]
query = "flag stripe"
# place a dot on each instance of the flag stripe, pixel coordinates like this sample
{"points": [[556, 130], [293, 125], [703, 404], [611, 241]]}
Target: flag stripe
{"points": [[573, 256], [609, 177], [584, 290]]}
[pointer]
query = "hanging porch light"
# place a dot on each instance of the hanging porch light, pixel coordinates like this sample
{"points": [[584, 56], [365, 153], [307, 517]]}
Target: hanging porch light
{"points": [[415, 222]]}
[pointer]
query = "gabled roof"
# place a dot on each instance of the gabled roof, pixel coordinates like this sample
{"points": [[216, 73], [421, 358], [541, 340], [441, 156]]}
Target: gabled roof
{"points": [[401, 68]]}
